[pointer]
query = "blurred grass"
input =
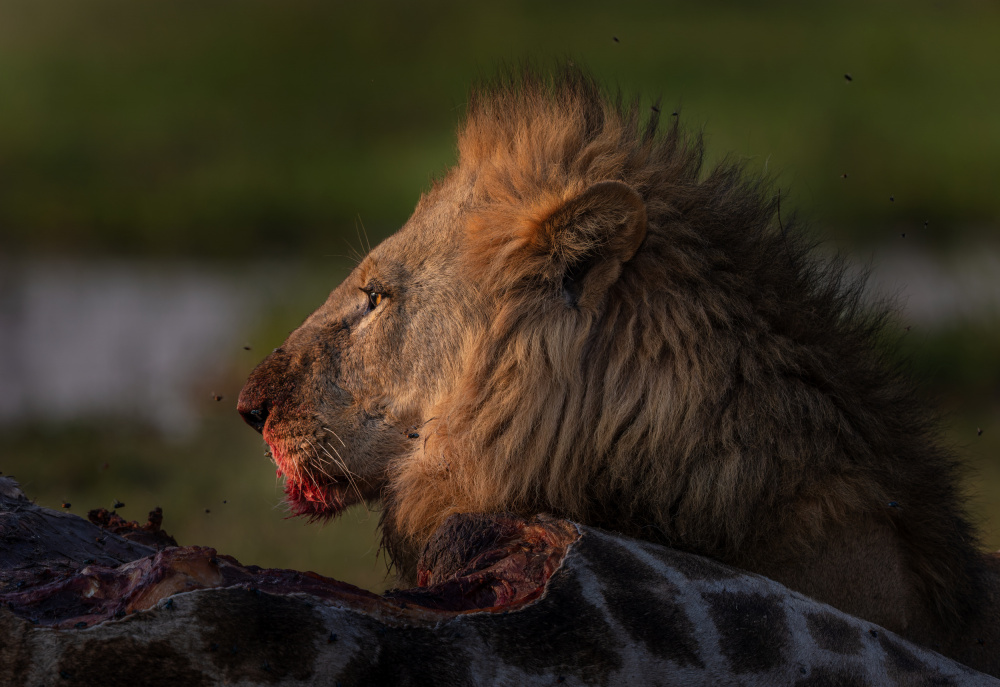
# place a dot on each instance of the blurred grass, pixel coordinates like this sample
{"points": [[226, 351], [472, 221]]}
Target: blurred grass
{"points": [[224, 128], [959, 359]]}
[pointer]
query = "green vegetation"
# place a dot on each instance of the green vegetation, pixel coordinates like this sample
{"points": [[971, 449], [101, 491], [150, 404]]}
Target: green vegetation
{"points": [[225, 128]]}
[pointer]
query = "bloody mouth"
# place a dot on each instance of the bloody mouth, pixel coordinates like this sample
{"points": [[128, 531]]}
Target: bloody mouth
{"points": [[306, 497], [311, 500]]}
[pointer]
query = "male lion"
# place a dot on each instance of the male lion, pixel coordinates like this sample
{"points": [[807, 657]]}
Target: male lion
{"points": [[575, 320]]}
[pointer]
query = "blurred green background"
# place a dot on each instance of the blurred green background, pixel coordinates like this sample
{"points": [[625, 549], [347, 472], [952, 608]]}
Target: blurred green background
{"points": [[237, 151]]}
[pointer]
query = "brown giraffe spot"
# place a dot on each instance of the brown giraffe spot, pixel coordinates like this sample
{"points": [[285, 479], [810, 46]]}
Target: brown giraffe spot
{"points": [[14, 647], [901, 664], [124, 662], [833, 677], [414, 656], [833, 633], [562, 632], [278, 643], [752, 628], [642, 601]]}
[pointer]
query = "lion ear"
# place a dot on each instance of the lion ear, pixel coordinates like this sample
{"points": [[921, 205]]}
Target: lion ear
{"points": [[591, 236]]}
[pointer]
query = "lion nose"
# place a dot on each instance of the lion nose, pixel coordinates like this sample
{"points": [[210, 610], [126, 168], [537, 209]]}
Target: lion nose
{"points": [[255, 417], [254, 405], [266, 390]]}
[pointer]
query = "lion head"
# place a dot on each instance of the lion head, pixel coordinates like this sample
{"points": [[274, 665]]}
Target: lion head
{"points": [[498, 270], [577, 320]]}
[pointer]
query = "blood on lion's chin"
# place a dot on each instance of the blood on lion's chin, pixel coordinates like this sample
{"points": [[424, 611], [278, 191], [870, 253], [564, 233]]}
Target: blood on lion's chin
{"points": [[312, 501], [308, 496]]}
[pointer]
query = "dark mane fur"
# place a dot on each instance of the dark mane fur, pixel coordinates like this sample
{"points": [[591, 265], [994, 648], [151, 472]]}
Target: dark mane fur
{"points": [[731, 395]]}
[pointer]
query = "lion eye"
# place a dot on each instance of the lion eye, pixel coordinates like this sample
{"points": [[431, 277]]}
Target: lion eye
{"points": [[374, 298]]}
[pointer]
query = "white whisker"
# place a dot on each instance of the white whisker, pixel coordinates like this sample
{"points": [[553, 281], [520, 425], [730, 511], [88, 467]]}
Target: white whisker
{"points": [[367, 242], [327, 429], [339, 462]]}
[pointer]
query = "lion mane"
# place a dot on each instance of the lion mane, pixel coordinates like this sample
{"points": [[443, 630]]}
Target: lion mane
{"points": [[652, 349]]}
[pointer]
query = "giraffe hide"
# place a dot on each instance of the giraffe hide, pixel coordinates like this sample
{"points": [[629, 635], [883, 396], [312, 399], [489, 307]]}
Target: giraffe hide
{"points": [[500, 600]]}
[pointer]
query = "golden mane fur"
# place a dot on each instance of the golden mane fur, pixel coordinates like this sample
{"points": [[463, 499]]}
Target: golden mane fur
{"points": [[642, 346], [728, 374]]}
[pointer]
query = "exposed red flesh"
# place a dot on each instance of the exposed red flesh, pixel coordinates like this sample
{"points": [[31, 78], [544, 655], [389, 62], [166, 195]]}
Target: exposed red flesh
{"points": [[489, 562], [474, 563], [96, 593], [149, 534]]}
